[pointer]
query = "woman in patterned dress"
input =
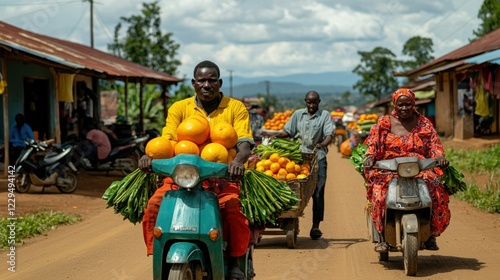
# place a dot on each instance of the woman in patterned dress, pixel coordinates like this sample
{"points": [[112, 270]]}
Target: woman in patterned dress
{"points": [[403, 133]]}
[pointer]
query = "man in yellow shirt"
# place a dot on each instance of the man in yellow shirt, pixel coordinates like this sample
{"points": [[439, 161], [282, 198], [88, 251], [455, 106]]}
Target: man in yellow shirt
{"points": [[211, 104]]}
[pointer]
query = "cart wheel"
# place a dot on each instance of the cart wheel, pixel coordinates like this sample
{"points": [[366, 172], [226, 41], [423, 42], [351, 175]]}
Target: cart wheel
{"points": [[292, 230]]}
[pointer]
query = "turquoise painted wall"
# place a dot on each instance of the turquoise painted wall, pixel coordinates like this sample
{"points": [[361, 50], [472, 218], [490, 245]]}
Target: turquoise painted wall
{"points": [[16, 72]]}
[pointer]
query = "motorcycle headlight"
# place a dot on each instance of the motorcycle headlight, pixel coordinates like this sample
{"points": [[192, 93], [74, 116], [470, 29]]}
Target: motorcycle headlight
{"points": [[186, 176], [408, 169]]}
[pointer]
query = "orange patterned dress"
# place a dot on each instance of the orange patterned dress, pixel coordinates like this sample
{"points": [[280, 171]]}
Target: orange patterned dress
{"points": [[422, 142]]}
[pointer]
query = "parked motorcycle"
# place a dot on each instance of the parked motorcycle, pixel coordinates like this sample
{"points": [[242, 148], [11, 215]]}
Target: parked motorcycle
{"points": [[408, 210], [124, 158], [188, 233], [53, 169]]}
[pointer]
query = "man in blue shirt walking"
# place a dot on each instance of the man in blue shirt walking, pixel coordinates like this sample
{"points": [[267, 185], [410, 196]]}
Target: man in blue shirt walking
{"points": [[315, 128]]}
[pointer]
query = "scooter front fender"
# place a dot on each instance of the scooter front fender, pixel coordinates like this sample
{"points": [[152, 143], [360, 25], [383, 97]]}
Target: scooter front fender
{"points": [[183, 252], [410, 223]]}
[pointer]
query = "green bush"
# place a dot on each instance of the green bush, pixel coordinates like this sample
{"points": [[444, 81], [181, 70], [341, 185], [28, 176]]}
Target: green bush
{"points": [[477, 162], [32, 225]]}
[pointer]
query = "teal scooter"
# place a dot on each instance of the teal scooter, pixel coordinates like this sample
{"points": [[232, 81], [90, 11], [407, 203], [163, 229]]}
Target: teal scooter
{"points": [[188, 240]]}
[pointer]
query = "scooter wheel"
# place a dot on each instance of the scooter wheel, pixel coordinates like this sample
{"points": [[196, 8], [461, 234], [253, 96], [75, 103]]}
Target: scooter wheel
{"points": [[23, 182], [184, 271], [71, 185]]}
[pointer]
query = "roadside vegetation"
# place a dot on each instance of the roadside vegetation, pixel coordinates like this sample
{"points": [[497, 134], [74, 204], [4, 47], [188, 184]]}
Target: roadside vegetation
{"points": [[32, 225], [483, 194]]}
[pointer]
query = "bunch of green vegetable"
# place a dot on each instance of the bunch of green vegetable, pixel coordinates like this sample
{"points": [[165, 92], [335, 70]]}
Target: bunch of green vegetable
{"points": [[264, 198], [129, 197], [453, 180], [285, 148], [357, 158]]}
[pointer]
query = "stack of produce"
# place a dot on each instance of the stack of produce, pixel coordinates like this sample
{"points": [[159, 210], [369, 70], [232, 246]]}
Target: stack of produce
{"points": [[195, 136], [366, 121], [282, 168], [452, 179], [336, 116], [278, 121], [285, 148], [264, 198], [282, 160], [353, 127], [129, 197]]}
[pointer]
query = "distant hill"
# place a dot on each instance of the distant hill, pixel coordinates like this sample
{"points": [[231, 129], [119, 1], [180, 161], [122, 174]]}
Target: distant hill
{"points": [[283, 89], [291, 89], [344, 78], [325, 83]]}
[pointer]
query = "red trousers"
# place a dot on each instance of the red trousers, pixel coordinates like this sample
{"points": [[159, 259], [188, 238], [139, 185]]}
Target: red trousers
{"points": [[234, 223]]}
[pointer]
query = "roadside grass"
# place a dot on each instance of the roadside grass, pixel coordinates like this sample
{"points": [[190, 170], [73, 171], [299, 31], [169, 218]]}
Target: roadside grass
{"points": [[32, 225], [484, 162]]}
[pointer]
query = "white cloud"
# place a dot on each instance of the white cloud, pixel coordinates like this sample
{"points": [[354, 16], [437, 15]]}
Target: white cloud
{"points": [[261, 37]]}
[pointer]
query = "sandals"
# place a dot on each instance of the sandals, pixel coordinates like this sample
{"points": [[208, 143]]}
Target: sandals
{"points": [[382, 247], [236, 274], [431, 244]]}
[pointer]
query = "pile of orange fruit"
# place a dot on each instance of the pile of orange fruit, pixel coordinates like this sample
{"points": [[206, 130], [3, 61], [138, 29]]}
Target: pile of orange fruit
{"points": [[195, 136], [282, 168], [278, 121]]}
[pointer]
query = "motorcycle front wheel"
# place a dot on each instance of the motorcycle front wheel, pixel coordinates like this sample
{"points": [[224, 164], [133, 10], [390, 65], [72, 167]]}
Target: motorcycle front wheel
{"points": [[70, 183], [183, 271], [410, 253], [23, 182]]}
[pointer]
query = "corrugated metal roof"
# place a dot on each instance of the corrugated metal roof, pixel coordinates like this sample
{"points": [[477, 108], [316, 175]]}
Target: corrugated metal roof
{"points": [[77, 56], [488, 42], [485, 57]]}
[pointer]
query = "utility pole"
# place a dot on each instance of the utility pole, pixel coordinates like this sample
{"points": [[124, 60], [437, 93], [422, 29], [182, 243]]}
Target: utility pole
{"points": [[91, 22], [267, 89], [231, 83]]}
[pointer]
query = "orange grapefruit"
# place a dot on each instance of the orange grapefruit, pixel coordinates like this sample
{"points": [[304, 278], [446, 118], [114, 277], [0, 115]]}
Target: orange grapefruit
{"points": [[159, 147], [195, 129], [225, 134], [186, 147], [214, 152]]}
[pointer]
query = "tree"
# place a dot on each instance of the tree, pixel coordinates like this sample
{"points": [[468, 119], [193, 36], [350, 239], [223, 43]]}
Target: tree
{"points": [[376, 70], [145, 43], [420, 49], [489, 13]]}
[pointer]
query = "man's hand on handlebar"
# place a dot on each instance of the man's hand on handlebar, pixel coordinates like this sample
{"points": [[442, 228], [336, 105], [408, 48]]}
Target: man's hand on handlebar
{"points": [[235, 170], [145, 164]]}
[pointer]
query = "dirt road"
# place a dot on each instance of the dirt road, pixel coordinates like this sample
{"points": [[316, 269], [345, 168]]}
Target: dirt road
{"points": [[103, 246]]}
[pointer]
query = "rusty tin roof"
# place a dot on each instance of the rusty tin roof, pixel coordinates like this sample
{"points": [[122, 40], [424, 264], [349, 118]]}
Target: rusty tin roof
{"points": [[488, 42], [73, 57]]}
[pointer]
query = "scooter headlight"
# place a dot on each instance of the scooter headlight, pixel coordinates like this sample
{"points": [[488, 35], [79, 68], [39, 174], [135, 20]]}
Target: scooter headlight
{"points": [[186, 176], [408, 169]]}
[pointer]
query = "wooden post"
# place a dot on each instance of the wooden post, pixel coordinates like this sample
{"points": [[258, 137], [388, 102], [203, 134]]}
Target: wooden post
{"points": [[5, 97], [126, 98], [141, 111], [57, 128]]}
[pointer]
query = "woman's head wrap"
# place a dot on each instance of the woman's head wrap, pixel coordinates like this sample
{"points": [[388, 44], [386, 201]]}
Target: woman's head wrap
{"points": [[401, 92]]}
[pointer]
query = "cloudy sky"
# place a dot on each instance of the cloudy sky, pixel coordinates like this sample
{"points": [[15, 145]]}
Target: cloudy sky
{"points": [[255, 38]]}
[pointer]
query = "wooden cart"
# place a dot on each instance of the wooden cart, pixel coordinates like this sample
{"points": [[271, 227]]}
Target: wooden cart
{"points": [[288, 222]]}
